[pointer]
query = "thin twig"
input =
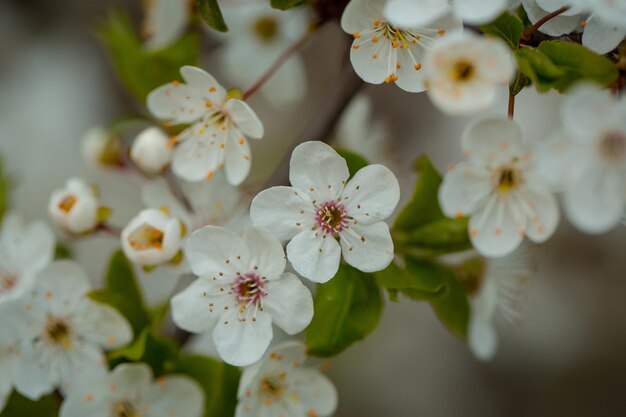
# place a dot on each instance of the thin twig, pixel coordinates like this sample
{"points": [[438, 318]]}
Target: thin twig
{"points": [[511, 106], [528, 32]]}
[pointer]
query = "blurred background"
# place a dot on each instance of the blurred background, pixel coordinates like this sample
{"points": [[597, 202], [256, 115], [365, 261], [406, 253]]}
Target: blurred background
{"points": [[566, 356]]}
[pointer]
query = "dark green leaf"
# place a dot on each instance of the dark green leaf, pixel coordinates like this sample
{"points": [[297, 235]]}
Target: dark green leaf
{"points": [[397, 279], [285, 4], [437, 237], [18, 406], [519, 82], [347, 309], [508, 27], [355, 161], [160, 353], [218, 380], [212, 15]]}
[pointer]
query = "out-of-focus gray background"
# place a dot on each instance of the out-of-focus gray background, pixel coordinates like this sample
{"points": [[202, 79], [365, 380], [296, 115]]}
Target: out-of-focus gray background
{"points": [[565, 357]]}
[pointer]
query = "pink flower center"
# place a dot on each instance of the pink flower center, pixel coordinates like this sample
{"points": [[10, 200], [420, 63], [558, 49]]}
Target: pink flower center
{"points": [[248, 289], [331, 217]]}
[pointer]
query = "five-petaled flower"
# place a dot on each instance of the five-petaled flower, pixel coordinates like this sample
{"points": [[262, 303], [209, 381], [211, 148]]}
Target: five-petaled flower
{"points": [[279, 385], [322, 205], [498, 187], [242, 288], [220, 124]]}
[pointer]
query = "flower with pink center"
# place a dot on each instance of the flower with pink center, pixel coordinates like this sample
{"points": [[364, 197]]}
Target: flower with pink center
{"points": [[242, 288], [324, 215]]}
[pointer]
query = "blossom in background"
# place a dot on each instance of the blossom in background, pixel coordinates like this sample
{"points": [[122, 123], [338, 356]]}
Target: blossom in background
{"points": [[74, 209], [220, 124], [257, 36], [151, 150], [613, 12], [464, 72], [9, 351], [586, 158], [242, 288], [322, 205], [420, 12], [101, 148], [151, 238], [130, 391], [279, 385], [599, 34], [24, 252], [164, 21], [63, 333], [499, 189], [385, 51]]}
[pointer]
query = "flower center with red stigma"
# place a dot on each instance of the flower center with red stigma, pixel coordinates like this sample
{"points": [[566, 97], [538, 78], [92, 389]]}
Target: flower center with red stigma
{"points": [[248, 289], [331, 217]]}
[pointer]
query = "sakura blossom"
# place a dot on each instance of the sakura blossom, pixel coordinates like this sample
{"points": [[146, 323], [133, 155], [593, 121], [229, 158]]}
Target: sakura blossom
{"points": [[151, 238], [74, 208]]}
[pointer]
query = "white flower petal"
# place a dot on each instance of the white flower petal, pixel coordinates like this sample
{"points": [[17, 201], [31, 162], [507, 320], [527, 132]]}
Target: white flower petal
{"points": [[479, 11], [199, 156], [199, 306], [371, 60], [177, 103], [412, 13], [492, 141], [462, 99], [545, 214], [587, 111], [241, 341], [165, 21], [134, 379], [60, 286], [203, 84], [211, 250], [464, 189], [482, 338], [157, 195], [558, 161], [289, 303], [371, 195], [33, 379], [267, 255], [245, 118], [368, 248], [317, 393], [314, 255], [318, 170], [602, 37], [178, 396], [553, 5], [103, 325], [237, 158], [494, 230], [360, 14], [283, 211], [557, 26]]}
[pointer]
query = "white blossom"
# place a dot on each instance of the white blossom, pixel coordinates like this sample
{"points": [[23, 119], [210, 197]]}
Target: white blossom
{"points": [[420, 12], [279, 385], [130, 391], [74, 208], [164, 21], [586, 158], [219, 126], [322, 205], [24, 252], [63, 333], [613, 12], [101, 148], [151, 150], [499, 189], [464, 72], [9, 351], [151, 238], [242, 288], [383, 51]]}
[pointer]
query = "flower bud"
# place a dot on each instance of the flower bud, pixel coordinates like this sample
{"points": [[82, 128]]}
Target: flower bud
{"points": [[75, 207], [152, 238], [102, 148], [151, 150]]}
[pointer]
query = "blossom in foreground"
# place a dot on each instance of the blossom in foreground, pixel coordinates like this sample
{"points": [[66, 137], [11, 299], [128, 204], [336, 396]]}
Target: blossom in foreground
{"points": [[24, 252], [151, 238], [242, 288], [130, 391], [499, 189], [258, 35], [63, 333], [464, 72], [586, 158], [322, 205], [151, 150], [599, 34], [74, 209], [419, 12], [164, 21], [279, 385], [220, 124], [385, 51]]}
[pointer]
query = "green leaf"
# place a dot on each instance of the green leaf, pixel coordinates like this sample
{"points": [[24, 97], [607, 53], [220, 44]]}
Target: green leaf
{"points": [[211, 14], [142, 71], [122, 292], [509, 27], [396, 279], [347, 309], [355, 161], [435, 238], [424, 205], [19, 406], [218, 380], [285, 4], [519, 82]]}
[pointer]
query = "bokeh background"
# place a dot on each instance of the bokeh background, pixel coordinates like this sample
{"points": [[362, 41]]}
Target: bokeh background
{"points": [[565, 357]]}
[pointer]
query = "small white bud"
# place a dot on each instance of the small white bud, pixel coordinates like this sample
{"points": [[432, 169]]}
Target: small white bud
{"points": [[75, 207], [152, 238], [151, 150], [101, 148]]}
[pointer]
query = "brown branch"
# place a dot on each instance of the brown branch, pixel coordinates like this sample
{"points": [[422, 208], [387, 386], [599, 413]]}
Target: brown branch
{"points": [[528, 32], [511, 106]]}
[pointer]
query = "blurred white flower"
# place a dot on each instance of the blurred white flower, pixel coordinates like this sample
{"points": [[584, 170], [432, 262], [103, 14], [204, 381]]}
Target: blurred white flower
{"points": [[9, 350], [152, 150], [164, 21], [242, 287], [101, 148], [384, 51], [217, 137], [258, 35], [498, 188], [24, 252], [130, 391], [586, 158], [613, 12], [464, 72], [74, 209], [152, 238], [323, 205], [421, 12], [63, 333], [279, 385]]}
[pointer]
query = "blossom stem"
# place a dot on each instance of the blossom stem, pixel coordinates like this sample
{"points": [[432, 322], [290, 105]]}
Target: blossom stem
{"points": [[110, 229], [528, 32], [511, 106], [294, 47]]}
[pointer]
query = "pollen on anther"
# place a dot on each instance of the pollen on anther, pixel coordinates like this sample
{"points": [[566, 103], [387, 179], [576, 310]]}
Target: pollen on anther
{"points": [[374, 56], [212, 90], [418, 67], [441, 32], [374, 39], [355, 46], [356, 35]]}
